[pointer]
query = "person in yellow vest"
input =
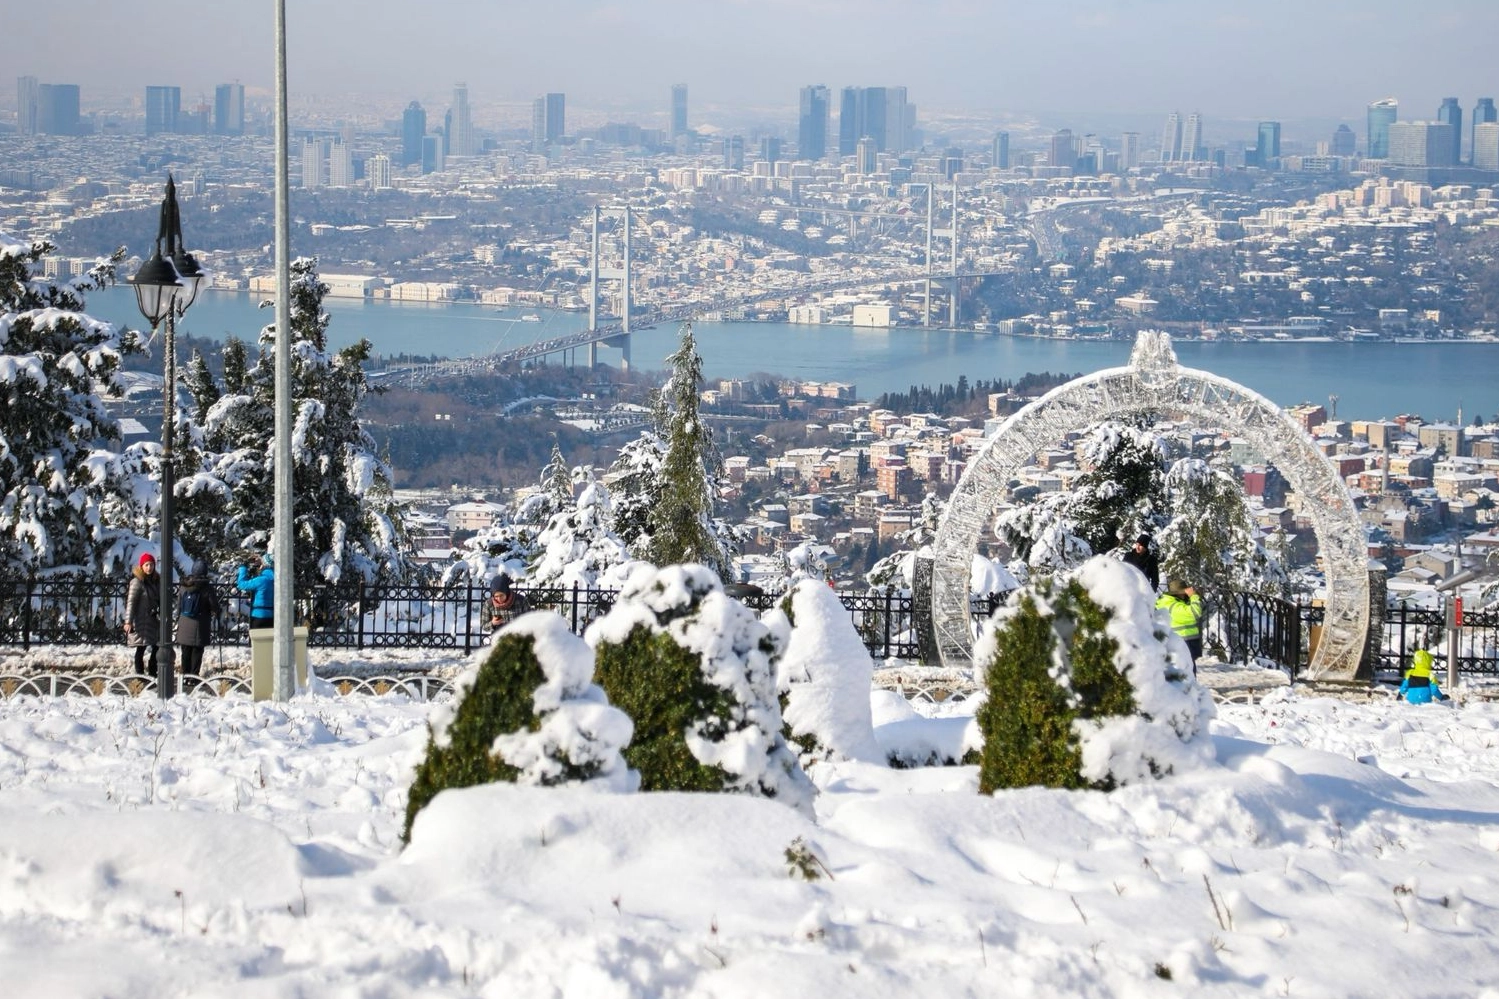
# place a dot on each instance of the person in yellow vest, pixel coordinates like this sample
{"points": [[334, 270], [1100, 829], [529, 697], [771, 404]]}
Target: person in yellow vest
{"points": [[1184, 612]]}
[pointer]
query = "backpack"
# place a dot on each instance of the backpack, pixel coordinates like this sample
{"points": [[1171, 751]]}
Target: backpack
{"points": [[192, 603]]}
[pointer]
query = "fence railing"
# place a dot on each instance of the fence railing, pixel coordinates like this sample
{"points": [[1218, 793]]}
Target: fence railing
{"points": [[74, 611]]}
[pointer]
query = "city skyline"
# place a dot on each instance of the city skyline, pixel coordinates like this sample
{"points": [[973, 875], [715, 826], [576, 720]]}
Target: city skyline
{"points": [[959, 55]]}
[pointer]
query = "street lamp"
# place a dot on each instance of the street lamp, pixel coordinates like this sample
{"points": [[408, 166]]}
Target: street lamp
{"points": [[165, 286]]}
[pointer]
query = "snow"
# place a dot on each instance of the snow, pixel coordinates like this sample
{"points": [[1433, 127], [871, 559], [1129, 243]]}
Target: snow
{"points": [[823, 673], [225, 848]]}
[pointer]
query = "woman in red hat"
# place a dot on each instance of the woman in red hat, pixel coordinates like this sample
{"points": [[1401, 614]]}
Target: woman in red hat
{"points": [[143, 612]]}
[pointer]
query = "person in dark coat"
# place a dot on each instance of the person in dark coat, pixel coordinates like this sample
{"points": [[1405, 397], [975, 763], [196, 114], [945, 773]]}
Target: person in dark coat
{"points": [[197, 608], [143, 613], [1141, 557], [505, 605]]}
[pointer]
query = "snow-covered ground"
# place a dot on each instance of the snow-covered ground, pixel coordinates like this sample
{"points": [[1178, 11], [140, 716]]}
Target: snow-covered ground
{"points": [[224, 848]]}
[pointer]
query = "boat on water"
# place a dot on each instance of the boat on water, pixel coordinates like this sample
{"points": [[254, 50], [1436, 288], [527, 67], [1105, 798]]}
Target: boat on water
{"points": [[530, 317]]}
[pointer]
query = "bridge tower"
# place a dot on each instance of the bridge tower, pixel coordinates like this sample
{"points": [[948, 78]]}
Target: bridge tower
{"points": [[951, 280], [622, 274]]}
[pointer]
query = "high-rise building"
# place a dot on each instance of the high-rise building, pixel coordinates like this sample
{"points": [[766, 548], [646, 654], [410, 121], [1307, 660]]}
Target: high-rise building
{"points": [[1171, 138], [312, 163], [548, 121], [27, 101], [1381, 115], [1344, 142], [1063, 150], [1420, 144], [229, 109], [1129, 151], [898, 120], [1483, 113], [377, 169], [340, 164], [1000, 155], [1486, 145], [432, 161], [678, 111], [460, 133], [812, 125], [1451, 113], [865, 111], [1267, 144], [1192, 144], [733, 152], [413, 129], [770, 148], [866, 155], [57, 109], [163, 105]]}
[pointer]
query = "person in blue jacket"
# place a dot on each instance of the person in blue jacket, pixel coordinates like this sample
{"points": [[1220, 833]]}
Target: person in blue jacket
{"points": [[1419, 686], [262, 589]]}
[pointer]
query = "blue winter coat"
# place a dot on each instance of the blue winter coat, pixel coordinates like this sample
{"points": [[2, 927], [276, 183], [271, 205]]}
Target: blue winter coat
{"points": [[262, 589], [1421, 690]]}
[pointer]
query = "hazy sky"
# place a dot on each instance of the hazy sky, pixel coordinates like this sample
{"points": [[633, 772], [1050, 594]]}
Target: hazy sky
{"points": [[1247, 59]]}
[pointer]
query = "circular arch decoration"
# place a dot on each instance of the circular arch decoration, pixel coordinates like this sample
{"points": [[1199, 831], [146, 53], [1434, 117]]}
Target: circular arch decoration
{"points": [[1153, 382]]}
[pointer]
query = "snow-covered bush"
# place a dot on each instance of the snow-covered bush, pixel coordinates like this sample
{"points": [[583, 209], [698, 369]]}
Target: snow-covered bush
{"points": [[527, 712], [578, 545], [1086, 688], [695, 671], [824, 678]]}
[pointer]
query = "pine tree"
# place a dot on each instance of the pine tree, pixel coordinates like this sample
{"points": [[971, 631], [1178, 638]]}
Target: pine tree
{"points": [[636, 489], [1122, 490], [681, 524], [578, 545], [67, 497], [1210, 541], [347, 523]]}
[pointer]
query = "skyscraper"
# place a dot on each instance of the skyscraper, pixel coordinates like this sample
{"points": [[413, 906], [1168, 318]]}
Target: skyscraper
{"points": [[678, 111], [340, 164], [1483, 113], [1486, 145], [57, 109], [163, 105], [770, 149], [1192, 145], [461, 131], [1063, 149], [812, 125], [1451, 113], [733, 152], [896, 138], [312, 163], [431, 160], [413, 128], [1420, 144], [1001, 152], [1171, 138], [1267, 144], [1381, 115], [27, 99], [229, 109], [866, 155], [547, 121], [377, 167], [1129, 151], [1344, 142], [865, 111]]}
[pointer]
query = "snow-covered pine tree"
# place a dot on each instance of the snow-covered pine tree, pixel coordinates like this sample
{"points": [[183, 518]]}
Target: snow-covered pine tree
{"points": [[1210, 540], [636, 489], [578, 544], [824, 679], [681, 524], [695, 671], [1085, 687], [527, 711], [1122, 490], [68, 500], [347, 523]]}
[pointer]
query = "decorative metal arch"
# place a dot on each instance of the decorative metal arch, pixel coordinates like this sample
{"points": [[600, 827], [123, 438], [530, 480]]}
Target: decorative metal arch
{"points": [[1154, 383]]}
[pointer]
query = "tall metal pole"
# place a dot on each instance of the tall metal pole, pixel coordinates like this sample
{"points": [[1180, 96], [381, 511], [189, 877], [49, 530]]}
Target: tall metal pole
{"points": [[166, 655], [625, 361], [952, 298], [926, 318], [283, 649], [593, 293]]}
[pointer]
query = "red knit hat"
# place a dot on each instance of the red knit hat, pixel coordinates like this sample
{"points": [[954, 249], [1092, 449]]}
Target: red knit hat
{"points": [[146, 557]]}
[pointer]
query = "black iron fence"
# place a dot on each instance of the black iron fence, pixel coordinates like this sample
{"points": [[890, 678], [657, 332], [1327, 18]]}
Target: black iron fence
{"points": [[73, 611]]}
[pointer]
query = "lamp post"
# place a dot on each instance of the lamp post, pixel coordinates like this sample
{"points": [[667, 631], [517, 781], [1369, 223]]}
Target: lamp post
{"points": [[165, 287]]}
